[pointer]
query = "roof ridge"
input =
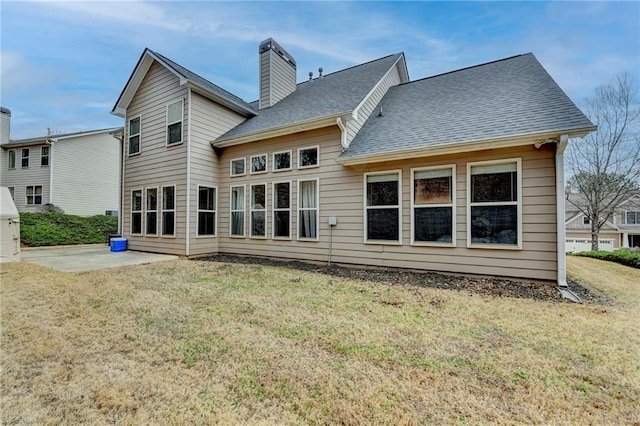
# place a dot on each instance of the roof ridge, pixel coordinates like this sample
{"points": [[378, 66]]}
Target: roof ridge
{"points": [[355, 66]]}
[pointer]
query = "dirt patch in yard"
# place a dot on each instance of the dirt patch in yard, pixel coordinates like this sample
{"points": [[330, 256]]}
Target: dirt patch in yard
{"points": [[484, 285]]}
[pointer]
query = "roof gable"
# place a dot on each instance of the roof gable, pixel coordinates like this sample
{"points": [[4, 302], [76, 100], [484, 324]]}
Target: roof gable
{"points": [[47, 140]]}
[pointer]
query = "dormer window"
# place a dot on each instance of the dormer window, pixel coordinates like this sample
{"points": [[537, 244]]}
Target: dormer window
{"points": [[586, 221]]}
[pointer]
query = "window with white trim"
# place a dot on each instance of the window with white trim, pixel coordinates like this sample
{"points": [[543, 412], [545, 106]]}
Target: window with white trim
{"points": [[633, 218], [134, 135], [175, 113], [282, 210], [308, 157], [238, 167], [24, 163], [494, 203], [136, 212], [282, 161], [259, 211], [433, 205], [206, 211], [168, 211], [11, 159], [151, 211], [586, 220], [44, 156], [34, 195], [258, 164], [237, 203], [308, 215], [382, 206]]}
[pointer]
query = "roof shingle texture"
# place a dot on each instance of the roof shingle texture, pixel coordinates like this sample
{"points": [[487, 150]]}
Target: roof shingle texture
{"points": [[510, 97], [335, 93]]}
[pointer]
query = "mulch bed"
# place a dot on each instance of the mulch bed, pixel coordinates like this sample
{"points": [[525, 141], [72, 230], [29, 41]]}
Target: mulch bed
{"points": [[484, 285]]}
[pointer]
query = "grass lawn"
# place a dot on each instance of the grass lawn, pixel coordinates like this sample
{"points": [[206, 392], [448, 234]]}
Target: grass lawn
{"points": [[204, 342]]}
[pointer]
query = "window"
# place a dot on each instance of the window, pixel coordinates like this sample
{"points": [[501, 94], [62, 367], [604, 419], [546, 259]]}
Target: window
{"points": [[25, 158], [259, 164], [12, 159], [382, 205], [282, 210], [308, 157], [308, 218], [206, 211], [134, 135], [494, 204], [169, 211], [12, 192], [34, 195], [633, 218], [281, 161], [586, 221], [433, 212], [151, 214], [259, 210], [237, 211], [136, 212], [44, 156], [238, 167], [174, 122]]}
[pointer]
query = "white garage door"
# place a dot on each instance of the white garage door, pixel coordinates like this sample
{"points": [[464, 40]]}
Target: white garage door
{"points": [[576, 245]]}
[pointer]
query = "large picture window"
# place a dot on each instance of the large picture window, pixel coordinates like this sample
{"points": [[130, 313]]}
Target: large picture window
{"points": [[382, 216], [282, 210], [259, 211], [174, 123], [308, 217], [151, 211], [168, 211], [134, 135], [433, 212], [136, 212], [206, 211], [34, 195], [494, 203], [237, 211]]}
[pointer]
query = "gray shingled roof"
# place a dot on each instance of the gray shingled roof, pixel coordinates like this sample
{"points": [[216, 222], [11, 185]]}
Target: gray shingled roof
{"points": [[30, 141], [336, 93], [509, 97]]}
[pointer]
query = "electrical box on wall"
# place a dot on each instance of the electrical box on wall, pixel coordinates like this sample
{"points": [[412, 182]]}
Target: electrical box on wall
{"points": [[333, 221]]}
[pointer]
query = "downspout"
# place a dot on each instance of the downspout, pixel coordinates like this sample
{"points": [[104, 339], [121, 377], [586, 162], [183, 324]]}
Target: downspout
{"points": [[560, 230], [343, 133], [121, 207], [188, 239], [50, 143]]}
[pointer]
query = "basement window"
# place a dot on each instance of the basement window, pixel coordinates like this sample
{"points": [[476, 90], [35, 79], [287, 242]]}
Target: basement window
{"points": [[382, 207]]}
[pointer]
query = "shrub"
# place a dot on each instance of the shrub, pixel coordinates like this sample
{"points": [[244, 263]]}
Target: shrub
{"points": [[52, 229], [625, 256], [51, 208]]}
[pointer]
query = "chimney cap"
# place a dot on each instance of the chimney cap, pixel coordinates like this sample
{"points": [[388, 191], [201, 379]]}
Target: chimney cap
{"points": [[5, 110], [271, 44]]}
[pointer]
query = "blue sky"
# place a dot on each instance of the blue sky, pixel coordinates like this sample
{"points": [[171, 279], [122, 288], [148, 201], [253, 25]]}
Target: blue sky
{"points": [[65, 63]]}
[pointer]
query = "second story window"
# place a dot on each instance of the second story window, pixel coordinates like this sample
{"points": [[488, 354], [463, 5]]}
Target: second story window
{"points": [[12, 159], [174, 123], [633, 218], [25, 158], [134, 135], [586, 221], [259, 164], [44, 156], [308, 157]]}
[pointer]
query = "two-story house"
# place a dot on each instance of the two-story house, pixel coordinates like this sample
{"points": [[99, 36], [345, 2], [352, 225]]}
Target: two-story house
{"points": [[460, 172], [78, 172]]}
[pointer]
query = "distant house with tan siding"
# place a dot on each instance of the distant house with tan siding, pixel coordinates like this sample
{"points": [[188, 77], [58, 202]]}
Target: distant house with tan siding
{"points": [[460, 172], [78, 172]]}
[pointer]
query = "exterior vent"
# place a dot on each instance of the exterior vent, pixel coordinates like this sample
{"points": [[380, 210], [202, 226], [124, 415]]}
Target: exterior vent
{"points": [[277, 73]]}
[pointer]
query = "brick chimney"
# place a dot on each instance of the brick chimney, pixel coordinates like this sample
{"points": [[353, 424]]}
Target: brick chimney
{"points": [[5, 125], [277, 73]]}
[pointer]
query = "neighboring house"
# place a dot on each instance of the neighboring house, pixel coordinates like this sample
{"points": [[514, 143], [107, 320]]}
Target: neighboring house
{"points": [[460, 172], [621, 231], [78, 172]]}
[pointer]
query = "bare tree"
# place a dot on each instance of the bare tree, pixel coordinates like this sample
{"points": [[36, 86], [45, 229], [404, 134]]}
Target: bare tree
{"points": [[604, 167]]}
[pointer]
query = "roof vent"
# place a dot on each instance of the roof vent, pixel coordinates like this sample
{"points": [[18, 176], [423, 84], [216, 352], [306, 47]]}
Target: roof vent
{"points": [[320, 72], [310, 76]]}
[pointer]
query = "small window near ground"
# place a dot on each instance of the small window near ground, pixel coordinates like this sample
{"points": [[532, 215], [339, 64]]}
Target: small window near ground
{"points": [[238, 167], [34, 195], [259, 211], [206, 211], [282, 210], [136, 212], [633, 218], [493, 211], [308, 157], [44, 156], [281, 161], [151, 214], [174, 123], [382, 218], [168, 211], [259, 164], [237, 211], [25, 158], [433, 205], [308, 217], [134, 135], [11, 159]]}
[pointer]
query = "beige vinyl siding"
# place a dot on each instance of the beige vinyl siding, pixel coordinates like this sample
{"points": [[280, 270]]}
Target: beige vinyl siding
{"points": [[86, 174], [157, 165], [341, 195], [19, 178], [208, 121], [277, 78], [391, 79]]}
